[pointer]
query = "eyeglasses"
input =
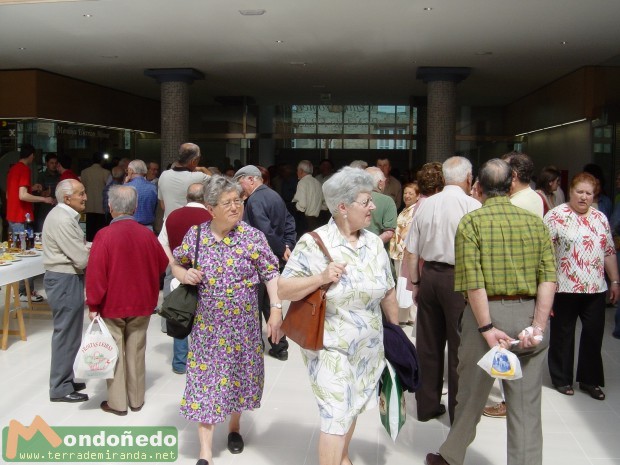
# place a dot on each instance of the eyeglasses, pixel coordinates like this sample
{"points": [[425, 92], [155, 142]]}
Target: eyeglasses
{"points": [[229, 203], [364, 203]]}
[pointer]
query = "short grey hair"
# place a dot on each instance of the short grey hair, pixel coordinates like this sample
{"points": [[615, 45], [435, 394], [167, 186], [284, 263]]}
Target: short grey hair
{"points": [[218, 185], [138, 167], [376, 174], [64, 188], [196, 192], [345, 186], [123, 199], [456, 169], [306, 166], [495, 178], [359, 164]]}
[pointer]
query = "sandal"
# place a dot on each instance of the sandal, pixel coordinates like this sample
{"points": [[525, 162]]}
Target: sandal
{"points": [[566, 390], [594, 391]]}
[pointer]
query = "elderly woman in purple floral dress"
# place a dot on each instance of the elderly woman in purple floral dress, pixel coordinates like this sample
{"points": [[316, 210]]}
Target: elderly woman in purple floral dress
{"points": [[225, 370]]}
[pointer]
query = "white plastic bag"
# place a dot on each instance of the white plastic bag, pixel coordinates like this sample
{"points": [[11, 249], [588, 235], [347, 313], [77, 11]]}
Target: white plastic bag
{"points": [[403, 295], [392, 408], [501, 363], [98, 353]]}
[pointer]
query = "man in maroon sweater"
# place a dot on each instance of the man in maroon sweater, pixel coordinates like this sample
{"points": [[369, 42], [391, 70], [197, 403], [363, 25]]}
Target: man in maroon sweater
{"points": [[122, 285], [171, 236]]}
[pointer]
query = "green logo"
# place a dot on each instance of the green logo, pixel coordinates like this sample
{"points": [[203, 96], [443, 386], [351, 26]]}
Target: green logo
{"points": [[40, 442]]}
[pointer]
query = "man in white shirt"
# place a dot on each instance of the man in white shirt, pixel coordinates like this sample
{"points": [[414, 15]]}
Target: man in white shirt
{"points": [[173, 183], [521, 194], [431, 238], [308, 199]]}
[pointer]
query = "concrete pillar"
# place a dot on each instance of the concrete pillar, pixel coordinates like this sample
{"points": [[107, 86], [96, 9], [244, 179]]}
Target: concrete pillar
{"points": [[441, 116], [174, 108], [266, 147]]}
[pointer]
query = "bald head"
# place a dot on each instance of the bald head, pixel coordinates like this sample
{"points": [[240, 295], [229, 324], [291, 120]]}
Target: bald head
{"points": [[188, 153], [196, 193], [495, 178]]}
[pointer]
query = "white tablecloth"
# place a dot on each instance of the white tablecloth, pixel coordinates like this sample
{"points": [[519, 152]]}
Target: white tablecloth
{"points": [[16, 271]]}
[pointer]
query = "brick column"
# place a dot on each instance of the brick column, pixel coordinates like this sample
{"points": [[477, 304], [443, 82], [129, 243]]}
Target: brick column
{"points": [[441, 117], [174, 108]]}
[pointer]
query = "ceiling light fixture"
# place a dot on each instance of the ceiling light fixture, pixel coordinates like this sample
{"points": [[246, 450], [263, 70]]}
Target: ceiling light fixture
{"points": [[22, 48], [483, 53], [551, 127], [279, 41], [298, 63], [252, 12], [87, 15], [428, 9], [563, 42]]}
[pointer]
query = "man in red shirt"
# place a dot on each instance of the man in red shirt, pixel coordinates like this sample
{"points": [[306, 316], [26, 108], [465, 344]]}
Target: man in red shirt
{"points": [[19, 202], [64, 168], [122, 285]]}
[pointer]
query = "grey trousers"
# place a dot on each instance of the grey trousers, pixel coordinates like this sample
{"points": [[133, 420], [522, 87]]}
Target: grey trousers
{"points": [[128, 384], [523, 396], [65, 295]]}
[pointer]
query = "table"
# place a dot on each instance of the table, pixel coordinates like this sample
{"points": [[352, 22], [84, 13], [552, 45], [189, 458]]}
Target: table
{"points": [[10, 276]]}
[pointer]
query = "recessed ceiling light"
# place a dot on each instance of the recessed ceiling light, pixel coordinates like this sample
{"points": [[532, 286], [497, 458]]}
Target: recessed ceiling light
{"points": [[481, 53], [88, 15], [22, 48], [279, 41], [111, 57], [563, 42], [298, 63], [428, 9], [252, 12]]}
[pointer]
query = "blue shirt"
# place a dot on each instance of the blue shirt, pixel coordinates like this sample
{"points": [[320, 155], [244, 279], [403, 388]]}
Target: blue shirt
{"points": [[147, 200]]}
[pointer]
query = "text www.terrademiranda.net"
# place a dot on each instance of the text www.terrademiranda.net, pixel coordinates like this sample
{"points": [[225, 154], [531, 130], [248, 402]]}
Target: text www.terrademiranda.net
{"points": [[109, 456]]}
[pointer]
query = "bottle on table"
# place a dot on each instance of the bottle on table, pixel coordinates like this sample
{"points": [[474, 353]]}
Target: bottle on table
{"points": [[29, 229]]}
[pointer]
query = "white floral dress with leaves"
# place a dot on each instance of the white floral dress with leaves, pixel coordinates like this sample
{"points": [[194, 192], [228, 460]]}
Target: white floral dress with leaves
{"points": [[344, 375]]}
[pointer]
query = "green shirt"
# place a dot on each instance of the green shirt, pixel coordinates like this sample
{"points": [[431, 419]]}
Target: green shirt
{"points": [[384, 215], [503, 249]]}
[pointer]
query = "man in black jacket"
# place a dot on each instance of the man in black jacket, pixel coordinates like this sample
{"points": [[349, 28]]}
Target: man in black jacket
{"points": [[266, 211]]}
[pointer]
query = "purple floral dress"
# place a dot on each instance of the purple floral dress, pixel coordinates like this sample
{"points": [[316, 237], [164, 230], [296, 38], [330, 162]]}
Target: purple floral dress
{"points": [[225, 369]]}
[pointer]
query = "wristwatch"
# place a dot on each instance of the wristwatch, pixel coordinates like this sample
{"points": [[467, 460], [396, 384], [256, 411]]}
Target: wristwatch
{"points": [[277, 305]]}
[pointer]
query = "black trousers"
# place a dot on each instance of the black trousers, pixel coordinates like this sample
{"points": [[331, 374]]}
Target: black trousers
{"points": [[440, 310], [590, 309], [94, 222]]}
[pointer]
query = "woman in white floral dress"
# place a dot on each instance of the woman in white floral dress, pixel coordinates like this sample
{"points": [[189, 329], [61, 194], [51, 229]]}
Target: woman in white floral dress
{"points": [[344, 375], [584, 251]]}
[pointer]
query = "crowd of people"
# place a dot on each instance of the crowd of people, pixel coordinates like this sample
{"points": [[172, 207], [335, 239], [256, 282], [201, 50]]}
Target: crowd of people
{"points": [[493, 261]]}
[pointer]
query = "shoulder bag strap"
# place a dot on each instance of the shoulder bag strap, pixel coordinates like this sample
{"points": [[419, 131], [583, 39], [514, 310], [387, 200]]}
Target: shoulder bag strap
{"points": [[196, 248], [321, 245]]}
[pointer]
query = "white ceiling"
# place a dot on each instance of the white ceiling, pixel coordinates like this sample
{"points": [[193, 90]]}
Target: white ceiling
{"points": [[359, 51]]}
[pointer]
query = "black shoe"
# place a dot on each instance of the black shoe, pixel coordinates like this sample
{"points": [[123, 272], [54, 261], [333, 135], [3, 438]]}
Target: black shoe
{"points": [[281, 355], [202, 462], [106, 408], [235, 443], [440, 412], [73, 397], [79, 386]]}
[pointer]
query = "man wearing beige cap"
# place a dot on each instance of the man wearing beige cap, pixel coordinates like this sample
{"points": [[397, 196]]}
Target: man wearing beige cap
{"points": [[266, 211]]}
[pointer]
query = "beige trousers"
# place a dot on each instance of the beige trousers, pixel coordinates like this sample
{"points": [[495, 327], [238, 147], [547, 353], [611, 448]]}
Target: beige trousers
{"points": [[128, 384]]}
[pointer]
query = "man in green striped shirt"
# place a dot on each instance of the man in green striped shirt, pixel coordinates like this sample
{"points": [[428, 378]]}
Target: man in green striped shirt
{"points": [[504, 264]]}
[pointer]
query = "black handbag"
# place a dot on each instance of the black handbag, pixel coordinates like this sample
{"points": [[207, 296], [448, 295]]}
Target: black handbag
{"points": [[179, 307]]}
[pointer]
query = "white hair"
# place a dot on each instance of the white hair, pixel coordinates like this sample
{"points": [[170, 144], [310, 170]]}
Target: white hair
{"points": [[359, 164], [456, 169], [138, 167], [345, 186], [306, 166], [64, 188], [377, 175]]}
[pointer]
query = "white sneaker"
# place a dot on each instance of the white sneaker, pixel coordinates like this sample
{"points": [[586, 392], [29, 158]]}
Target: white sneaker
{"points": [[34, 297]]}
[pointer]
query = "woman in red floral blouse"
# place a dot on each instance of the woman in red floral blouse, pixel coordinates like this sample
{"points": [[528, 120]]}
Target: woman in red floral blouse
{"points": [[584, 251]]}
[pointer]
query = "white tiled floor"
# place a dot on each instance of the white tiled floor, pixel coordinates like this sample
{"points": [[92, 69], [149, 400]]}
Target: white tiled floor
{"points": [[577, 430]]}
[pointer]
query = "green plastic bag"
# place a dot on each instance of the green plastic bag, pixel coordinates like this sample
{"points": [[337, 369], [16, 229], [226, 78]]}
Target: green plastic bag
{"points": [[391, 402]]}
